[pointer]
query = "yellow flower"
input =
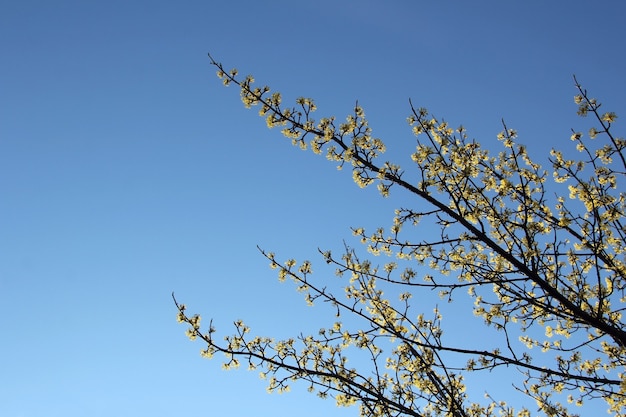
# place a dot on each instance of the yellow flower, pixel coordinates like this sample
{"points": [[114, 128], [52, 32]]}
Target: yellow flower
{"points": [[609, 117]]}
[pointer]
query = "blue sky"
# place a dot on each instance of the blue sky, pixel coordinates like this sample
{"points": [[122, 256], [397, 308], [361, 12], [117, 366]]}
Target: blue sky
{"points": [[127, 171]]}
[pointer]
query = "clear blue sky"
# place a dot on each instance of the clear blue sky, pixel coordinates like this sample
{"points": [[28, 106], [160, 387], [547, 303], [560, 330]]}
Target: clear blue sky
{"points": [[127, 171]]}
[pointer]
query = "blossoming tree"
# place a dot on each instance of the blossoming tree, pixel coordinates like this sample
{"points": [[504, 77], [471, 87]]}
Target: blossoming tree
{"points": [[540, 250]]}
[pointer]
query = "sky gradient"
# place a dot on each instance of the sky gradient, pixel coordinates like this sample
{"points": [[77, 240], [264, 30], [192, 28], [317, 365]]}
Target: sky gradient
{"points": [[127, 171]]}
